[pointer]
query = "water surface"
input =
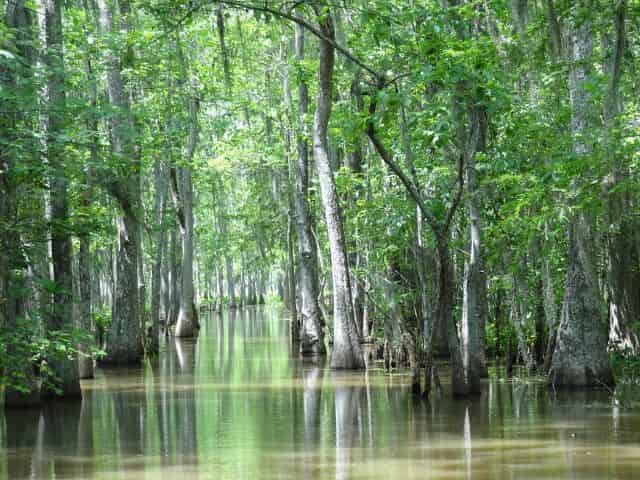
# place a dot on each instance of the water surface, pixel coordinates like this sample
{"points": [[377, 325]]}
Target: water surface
{"points": [[237, 404]]}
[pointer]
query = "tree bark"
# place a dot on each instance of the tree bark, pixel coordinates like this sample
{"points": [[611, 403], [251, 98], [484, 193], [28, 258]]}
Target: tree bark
{"points": [[623, 268], [231, 289], [474, 303], [311, 335], [160, 256], [347, 352], [463, 380], [186, 324], [85, 361], [219, 287], [174, 278], [580, 358], [65, 370], [124, 340]]}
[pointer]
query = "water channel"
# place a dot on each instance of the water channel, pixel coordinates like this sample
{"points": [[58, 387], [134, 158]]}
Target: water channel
{"points": [[237, 403]]}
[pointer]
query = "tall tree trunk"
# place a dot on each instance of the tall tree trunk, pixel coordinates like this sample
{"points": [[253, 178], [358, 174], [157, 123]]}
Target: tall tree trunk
{"points": [[124, 342], [463, 382], [160, 203], [353, 161], [186, 324], [474, 304], [311, 335], [347, 352], [219, 287], [165, 270], [243, 280], [231, 289], [580, 358], [623, 268], [550, 309], [291, 278], [66, 370], [85, 361], [174, 278]]}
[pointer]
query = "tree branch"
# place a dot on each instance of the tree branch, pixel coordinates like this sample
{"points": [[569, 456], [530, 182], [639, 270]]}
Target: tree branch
{"points": [[312, 28], [387, 158]]}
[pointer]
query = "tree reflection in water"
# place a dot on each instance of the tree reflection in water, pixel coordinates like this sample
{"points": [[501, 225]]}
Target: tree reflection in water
{"points": [[238, 403]]}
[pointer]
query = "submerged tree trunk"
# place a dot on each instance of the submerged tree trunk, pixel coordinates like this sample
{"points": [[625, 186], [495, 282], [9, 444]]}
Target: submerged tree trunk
{"points": [[580, 358], [347, 352], [311, 335], [174, 278], [464, 380], [160, 203], [623, 276], [623, 268], [86, 362], [231, 289], [124, 342], [550, 310], [187, 323], [474, 304], [219, 287], [66, 370]]}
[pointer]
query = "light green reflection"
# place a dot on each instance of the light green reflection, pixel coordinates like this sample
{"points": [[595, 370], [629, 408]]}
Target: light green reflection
{"points": [[237, 403]]}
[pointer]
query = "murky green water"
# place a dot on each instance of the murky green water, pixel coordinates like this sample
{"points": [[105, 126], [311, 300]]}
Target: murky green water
{"points": [[236, 404]]}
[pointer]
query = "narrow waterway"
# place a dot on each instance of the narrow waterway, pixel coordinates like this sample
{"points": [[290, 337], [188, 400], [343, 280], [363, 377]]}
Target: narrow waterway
{"points": [[238, 404]]}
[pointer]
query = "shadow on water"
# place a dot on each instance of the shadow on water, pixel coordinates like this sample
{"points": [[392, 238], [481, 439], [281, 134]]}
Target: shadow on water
{"points": [[239, 403]]}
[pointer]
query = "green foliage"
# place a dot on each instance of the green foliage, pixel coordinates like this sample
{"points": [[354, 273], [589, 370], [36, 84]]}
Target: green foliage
{"points": [[501, 341], [626, 366], [24, 354], [102, 318], [436, 61]]}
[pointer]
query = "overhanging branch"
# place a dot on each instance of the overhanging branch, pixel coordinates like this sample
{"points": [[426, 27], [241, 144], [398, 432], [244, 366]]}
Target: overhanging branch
{"points": [[307, 25]]}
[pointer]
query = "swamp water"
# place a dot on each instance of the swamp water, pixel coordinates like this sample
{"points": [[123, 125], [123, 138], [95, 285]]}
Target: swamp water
{"points": [[238, 404]]}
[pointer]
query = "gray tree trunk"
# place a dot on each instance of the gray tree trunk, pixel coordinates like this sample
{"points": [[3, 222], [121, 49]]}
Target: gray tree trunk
{"points": [[311, 335], [474, 303], [353, 161], [174, 278], [243, 283], [347, 352], [160, 203], [623, 268], [61, 318], [124, 340], [219, 287], [231, 289], [580, 358], [550, 309], [165, 271], [86, 362], [462, 383], [186, 324]]}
